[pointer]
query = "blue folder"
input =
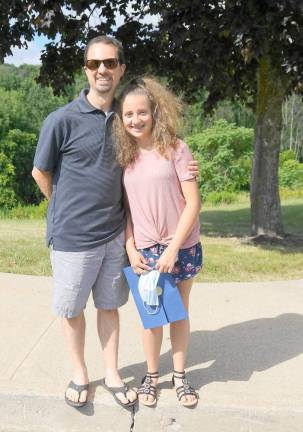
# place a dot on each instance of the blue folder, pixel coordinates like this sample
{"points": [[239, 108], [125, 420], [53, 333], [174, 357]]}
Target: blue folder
{"points": [[171, 307]]}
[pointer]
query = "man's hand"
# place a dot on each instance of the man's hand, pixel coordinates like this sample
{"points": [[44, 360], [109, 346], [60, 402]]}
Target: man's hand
{"points": [[193, 168]]}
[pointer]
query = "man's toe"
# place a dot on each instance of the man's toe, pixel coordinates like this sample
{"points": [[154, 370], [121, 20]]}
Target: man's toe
{"points": [[131, 395], [83, 396], [122, 398], [72, 395]]}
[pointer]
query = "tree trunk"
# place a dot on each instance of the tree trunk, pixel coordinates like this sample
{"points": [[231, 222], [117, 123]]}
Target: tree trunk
{"points": [[266, 217]]}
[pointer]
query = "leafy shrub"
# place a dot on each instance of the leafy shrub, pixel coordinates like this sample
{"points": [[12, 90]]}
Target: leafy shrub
{"points": [[291, 172], [224, 152], [286, 193], [196, 119], [19, 148], [287, 155], [7, 178], [29, 212], [224, 197], [24, 105]]}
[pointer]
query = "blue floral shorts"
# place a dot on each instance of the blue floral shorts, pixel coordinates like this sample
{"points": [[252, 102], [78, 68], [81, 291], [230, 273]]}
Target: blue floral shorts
{"points": [[189, 263]]}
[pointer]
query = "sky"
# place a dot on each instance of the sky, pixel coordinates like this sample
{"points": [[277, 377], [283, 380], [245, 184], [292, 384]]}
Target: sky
{"points": [[28, 56]]}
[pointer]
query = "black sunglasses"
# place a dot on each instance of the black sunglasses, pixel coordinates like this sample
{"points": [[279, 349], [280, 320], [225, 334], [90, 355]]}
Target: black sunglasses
{"points": [[110, 63]]}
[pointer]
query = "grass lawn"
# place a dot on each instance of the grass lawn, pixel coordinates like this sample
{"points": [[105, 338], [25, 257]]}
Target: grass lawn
{"points": [[228, 256], [22, 247]]}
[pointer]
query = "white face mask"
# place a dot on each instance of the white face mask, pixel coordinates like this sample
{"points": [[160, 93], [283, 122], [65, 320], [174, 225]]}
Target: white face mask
{"points": [[147, 287]]}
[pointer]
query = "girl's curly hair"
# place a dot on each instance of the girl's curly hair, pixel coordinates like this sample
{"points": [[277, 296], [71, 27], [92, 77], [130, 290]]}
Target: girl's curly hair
{"points": [[166, 109]]}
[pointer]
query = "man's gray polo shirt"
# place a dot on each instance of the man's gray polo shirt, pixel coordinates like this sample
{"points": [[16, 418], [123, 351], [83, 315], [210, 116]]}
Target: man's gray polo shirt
{"points": [[76, 145]]}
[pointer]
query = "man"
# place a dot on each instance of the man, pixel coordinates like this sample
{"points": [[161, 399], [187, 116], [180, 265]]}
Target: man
{"points": [[75, 169]]}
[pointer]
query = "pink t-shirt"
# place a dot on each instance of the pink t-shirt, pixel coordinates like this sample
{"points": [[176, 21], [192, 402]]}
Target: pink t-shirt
{"points": [[155, 197]]}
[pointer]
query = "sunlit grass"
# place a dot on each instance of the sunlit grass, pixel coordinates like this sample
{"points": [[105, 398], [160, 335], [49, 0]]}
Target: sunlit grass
{"points": [[22, 247], [229, 259], [224, 229]]}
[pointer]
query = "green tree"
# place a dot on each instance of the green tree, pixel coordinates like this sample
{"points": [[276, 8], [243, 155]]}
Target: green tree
{"points": [[7, 178], [38, 103], [8, 77], [238, 49], [18, 147], [249, 50], [12, 112], [292, 131], [197, 118], [24, 105], [291, 171], [224, 152]]}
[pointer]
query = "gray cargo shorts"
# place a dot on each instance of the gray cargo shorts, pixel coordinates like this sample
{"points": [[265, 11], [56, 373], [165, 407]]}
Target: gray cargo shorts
{"points": [[97, 270]]}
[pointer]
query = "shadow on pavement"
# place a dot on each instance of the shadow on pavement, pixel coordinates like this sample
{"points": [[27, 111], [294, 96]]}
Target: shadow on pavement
{"points": [[234, 352]]}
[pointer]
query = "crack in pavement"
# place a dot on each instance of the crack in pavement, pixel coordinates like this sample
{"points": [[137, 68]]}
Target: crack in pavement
{"points": [[36, 342], [132, 416]]}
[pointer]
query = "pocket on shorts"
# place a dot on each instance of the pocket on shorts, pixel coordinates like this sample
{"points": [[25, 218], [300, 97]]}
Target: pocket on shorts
{"points": [[67, 281]]}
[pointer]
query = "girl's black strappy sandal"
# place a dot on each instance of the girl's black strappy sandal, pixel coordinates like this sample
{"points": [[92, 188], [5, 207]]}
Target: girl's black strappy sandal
{"points": [[184, 390], [147, 388]]}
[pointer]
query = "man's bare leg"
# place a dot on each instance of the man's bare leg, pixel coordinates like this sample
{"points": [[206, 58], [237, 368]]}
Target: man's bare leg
{"points": [[74, 330], [108, 330]]}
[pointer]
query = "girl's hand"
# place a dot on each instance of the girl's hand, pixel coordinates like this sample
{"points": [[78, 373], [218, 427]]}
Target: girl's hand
{"points": [[137, 261], [167, 260], [193, 168]]}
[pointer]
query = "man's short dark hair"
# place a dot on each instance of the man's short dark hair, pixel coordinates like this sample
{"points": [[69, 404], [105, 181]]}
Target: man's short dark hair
{"points": [[107, 40]]}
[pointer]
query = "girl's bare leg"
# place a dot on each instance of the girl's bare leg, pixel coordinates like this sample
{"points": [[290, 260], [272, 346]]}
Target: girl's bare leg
{"points": [[179, 334], [152, 341]]}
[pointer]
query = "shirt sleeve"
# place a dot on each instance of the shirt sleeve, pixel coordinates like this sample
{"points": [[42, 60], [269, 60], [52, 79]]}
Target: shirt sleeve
{"points": [[49, 144], [181, 156]]}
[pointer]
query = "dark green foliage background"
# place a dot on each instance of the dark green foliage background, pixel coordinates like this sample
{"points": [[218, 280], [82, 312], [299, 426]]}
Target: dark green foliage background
{"points": [[222, 142], [24, 106], [225, 153]]}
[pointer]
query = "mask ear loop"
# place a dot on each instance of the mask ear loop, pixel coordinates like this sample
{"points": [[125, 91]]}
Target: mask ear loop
{"points": [[151, 310]]}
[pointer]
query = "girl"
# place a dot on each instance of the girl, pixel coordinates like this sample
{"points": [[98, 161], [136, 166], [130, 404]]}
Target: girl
{"points": [[163, 225]]}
